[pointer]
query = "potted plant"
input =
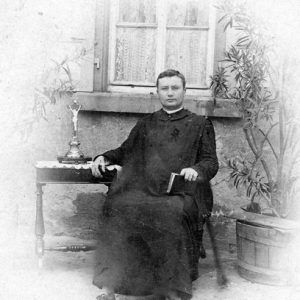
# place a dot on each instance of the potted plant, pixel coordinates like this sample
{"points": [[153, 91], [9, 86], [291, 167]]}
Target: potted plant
{"points": [[257, 84]]}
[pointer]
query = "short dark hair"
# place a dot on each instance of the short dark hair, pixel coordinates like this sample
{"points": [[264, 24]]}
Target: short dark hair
{"points": [[171, 73]]}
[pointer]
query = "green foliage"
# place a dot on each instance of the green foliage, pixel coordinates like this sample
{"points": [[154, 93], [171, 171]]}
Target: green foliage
{"points": [[252, 180], [218, 84], [257, 90], [55, 83]]}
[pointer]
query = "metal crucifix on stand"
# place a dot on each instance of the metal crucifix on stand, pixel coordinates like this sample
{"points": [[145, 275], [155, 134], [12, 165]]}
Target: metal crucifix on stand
{"points": [[74, 155]]}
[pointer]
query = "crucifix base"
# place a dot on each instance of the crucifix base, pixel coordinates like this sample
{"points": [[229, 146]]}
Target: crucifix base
{"points": [[74, 155], [68, 160]]}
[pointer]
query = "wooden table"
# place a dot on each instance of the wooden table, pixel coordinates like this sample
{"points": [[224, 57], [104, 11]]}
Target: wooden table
{"points": [[53, 172]]}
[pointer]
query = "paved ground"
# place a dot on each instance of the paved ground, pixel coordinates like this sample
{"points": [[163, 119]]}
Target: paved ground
{"points": [[69, 276]]}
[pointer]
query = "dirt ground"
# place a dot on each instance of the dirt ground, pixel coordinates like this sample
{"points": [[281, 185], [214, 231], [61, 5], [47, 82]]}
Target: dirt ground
{"points": [[68, 275]]}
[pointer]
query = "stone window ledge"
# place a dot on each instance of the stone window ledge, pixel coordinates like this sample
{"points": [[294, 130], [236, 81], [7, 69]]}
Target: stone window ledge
{"points": [[144, 104]]}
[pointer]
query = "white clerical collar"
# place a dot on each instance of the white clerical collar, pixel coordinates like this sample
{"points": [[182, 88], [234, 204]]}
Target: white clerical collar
{"points": [[172, 111]]}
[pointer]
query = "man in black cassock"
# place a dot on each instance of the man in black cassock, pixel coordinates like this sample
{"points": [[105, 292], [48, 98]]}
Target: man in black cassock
{"points": [[149, 240]]}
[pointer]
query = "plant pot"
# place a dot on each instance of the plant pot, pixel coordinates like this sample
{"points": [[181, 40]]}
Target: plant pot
{"points": [[263, 252]]}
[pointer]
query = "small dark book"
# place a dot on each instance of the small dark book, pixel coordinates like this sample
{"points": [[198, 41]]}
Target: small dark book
{"points": [[177, 184]]}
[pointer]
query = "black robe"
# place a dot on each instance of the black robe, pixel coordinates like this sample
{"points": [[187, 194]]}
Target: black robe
{"points": [[148, 239]]}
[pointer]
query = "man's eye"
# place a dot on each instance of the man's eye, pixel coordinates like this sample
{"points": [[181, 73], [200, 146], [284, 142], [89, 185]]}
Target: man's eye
{"points": [[164, 88], [175, 87]]}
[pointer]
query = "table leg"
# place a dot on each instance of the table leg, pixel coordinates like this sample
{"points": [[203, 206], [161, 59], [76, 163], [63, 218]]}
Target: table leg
{"points": [[39, 223]]}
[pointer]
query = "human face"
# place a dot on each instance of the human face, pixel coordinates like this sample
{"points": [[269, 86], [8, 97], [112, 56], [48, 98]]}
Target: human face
{"points": [[171, 92]]}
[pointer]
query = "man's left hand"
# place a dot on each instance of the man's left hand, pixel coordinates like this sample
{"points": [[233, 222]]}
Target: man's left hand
{"points": [[189, 174]]}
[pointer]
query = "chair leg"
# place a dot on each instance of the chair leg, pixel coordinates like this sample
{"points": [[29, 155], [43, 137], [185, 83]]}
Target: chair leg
{"points": [[202, 252]]}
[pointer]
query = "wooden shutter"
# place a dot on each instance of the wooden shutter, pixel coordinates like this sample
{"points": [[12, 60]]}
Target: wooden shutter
{"points": [[232, 36], [76, 21], [87, 31]]}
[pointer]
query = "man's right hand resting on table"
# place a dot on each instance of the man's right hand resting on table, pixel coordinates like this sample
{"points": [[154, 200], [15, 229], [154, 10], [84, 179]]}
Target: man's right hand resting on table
{"points": [[101, 164]]}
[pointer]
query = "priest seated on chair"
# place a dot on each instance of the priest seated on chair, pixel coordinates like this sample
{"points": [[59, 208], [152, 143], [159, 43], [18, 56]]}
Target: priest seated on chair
{"points": [[150, 241]]}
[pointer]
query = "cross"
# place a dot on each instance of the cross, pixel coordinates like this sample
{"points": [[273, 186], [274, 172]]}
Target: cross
{"points": [[74, 108]]}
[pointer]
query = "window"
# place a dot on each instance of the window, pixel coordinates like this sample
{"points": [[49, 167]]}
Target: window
{"points": [[134, 40], [148, 36]]}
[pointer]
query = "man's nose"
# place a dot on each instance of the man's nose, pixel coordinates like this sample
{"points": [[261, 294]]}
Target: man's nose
{"points": [[170, 92]]}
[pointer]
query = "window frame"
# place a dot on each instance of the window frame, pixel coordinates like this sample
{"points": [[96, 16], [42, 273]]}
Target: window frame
{"points": [[100, 100], [123, 87]]}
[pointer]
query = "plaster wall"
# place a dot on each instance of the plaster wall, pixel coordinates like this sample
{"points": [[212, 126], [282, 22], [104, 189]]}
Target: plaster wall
{"points": [[73, 209]]}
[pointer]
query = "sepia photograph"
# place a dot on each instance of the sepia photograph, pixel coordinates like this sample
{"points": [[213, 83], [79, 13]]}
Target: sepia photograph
{"points": [[150, 149]]}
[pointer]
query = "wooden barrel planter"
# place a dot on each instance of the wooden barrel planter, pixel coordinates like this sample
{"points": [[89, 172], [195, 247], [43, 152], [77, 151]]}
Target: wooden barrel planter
{"points": [[263, 253]]}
